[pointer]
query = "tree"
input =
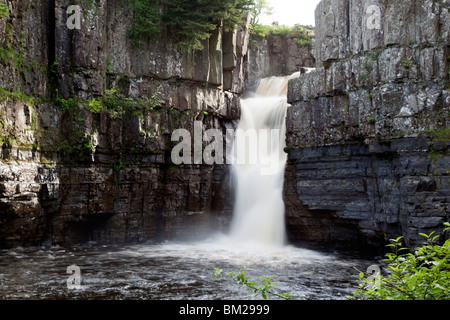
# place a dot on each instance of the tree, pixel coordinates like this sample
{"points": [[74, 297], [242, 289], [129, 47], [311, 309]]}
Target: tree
{"points": [[260, 7], [193, 21], [146, 20], [190, 21]]}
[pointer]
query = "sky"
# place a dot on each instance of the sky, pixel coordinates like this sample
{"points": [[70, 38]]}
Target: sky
{"points": [[291, 12]]}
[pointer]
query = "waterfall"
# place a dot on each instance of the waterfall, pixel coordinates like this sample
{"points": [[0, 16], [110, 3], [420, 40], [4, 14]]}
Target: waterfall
{"points": [[259, 163]]}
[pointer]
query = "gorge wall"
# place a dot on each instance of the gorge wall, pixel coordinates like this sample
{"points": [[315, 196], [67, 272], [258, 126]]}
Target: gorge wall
{"points": [[277, 55], [71, 171], [368, 129], [366, 134]]}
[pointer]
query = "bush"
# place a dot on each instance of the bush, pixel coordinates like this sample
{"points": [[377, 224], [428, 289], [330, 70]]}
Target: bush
{"points": [[95, 106], [422, 275], [263, 287], [304, 34]]}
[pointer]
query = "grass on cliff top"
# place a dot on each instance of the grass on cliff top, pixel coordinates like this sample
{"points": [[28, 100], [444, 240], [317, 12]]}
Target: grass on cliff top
{"points": [[305, 34]]}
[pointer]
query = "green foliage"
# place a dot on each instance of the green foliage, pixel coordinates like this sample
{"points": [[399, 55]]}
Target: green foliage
{"points": [[117, 104], [439, 134], [371, 120], [7, 134], [55, 68], [368, 65], [17, 95], [109, 67], [13, 52], [263, 286], [295, 31], [422, 275], [117, 168], [10, 55], [83, 148], [304, 42], [375, 54], [66, 104], [4, 11], [305, 34], [33, 121], [146, 20], [191, 21], [119, 165], [260, 6], [407, 63], [95, 106]]}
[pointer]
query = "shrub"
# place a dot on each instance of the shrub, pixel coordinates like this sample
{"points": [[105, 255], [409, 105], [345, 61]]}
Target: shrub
{"points": [[371, 120], [407, 63], [95, 106], [263, 286], [66, 104], [422, 275]]}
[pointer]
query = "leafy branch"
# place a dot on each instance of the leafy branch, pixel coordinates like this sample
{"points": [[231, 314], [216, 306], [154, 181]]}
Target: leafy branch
{"points": [[420, 275], [263, 286]]}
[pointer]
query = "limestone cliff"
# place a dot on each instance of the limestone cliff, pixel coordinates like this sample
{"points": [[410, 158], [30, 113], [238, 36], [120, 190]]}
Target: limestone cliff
{"points": [[368, 130], [71, 171], [86, 122], [277, 54]]}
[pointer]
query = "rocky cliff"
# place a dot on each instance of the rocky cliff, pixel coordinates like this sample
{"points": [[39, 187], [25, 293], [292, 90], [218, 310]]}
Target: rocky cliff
{"points": [[277, 55], [86, 122], [368, 129]]}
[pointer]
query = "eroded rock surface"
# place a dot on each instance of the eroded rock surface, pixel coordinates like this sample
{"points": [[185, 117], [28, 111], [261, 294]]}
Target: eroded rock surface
{"points": [[368, 130]]}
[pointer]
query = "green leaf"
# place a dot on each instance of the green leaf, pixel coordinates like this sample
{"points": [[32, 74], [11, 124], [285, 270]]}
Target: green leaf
{"points": [[218, 273], [434, 239]]}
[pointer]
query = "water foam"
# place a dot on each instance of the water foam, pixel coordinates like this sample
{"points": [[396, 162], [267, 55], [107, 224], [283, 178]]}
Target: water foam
{"points": [[259, 208]]}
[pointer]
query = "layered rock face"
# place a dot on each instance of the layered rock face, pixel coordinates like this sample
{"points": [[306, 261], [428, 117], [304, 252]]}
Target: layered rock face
{"points": [[277, 55], [368, 129], [71, 172]]}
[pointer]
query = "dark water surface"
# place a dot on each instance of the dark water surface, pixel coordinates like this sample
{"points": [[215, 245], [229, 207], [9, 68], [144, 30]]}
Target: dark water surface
{"points": [[175, 271]]}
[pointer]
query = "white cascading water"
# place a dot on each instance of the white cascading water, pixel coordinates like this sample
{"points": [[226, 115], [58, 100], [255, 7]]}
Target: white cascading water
{"points": [[259, 209]]}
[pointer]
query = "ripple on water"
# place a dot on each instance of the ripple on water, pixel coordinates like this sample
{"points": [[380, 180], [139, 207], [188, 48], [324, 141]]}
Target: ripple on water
{"points": [[173, 270]]}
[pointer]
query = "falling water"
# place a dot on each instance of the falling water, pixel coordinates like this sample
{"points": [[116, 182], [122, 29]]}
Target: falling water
{"points": [[259, 166], [178, 270]]}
